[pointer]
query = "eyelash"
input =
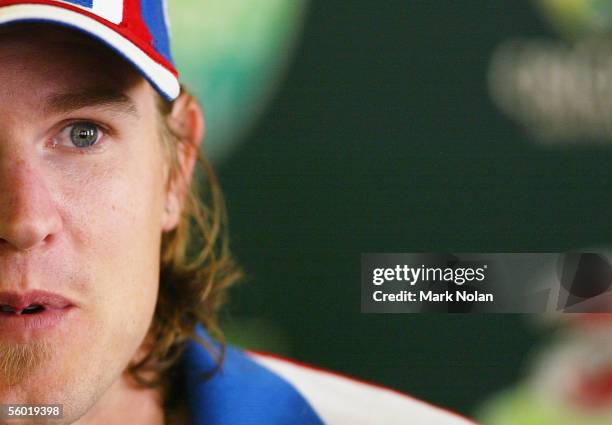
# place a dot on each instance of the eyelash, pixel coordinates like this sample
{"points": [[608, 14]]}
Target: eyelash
{"points": [[98, 145]]}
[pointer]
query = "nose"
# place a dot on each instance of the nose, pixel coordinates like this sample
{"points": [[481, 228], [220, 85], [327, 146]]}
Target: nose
{"points": [[28, 214]]}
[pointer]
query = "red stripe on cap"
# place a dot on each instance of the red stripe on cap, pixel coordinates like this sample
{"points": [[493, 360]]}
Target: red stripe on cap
{"points": [[133, 22]]}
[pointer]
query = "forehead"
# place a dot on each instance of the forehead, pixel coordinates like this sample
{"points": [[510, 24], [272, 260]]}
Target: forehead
{"points": [[54, 58]]}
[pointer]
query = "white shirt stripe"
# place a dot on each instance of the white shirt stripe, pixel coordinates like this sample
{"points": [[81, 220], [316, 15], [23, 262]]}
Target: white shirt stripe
{"points": [[340, 401]]}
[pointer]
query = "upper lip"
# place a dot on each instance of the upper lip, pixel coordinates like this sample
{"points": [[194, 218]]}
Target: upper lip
{"points": [[21, 300]]}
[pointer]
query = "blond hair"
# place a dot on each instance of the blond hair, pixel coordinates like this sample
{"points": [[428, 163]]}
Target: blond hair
{"points": [[196, 267]]}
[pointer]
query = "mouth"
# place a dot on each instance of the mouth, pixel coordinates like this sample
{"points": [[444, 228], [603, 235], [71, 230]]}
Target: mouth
{"points": [[32, 302], [31, 309], [35, 311]]}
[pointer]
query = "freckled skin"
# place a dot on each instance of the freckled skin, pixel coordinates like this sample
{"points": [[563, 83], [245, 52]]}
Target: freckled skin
{"points": [[87, 226]]}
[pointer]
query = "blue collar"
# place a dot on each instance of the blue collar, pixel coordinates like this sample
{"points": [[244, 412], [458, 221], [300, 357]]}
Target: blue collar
{"points": [[242, 392]]}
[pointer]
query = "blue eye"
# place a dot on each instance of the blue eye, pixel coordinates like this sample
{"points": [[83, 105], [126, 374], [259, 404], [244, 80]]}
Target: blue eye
{"points": [[80, 137], [84, 134]]}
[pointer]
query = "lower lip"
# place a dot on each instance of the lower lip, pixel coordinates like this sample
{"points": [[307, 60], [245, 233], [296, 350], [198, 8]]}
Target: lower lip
{"points": [[20, 325]]}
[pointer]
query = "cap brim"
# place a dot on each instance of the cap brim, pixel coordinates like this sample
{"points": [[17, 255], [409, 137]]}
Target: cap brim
{"points": [[164, 81]]}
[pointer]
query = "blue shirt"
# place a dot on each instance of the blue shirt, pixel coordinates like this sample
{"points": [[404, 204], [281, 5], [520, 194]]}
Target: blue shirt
{"points": [[257, 389], [242, 392]]}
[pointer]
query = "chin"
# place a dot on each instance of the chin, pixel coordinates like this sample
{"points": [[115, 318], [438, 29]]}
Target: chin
{"points": [[46, 380]]}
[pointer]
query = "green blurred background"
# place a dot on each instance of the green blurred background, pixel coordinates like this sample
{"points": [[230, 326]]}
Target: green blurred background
{"points": [[382, 137]]}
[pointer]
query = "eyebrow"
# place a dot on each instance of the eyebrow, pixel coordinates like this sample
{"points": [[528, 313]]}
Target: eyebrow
{"points": [[95, 98]]}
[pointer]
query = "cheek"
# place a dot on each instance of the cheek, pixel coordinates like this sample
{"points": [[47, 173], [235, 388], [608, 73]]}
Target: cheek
{"points": [[111, 212]]}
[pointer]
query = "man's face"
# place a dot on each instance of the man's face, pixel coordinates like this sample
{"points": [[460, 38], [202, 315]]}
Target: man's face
{"points": [[82, 193]]}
